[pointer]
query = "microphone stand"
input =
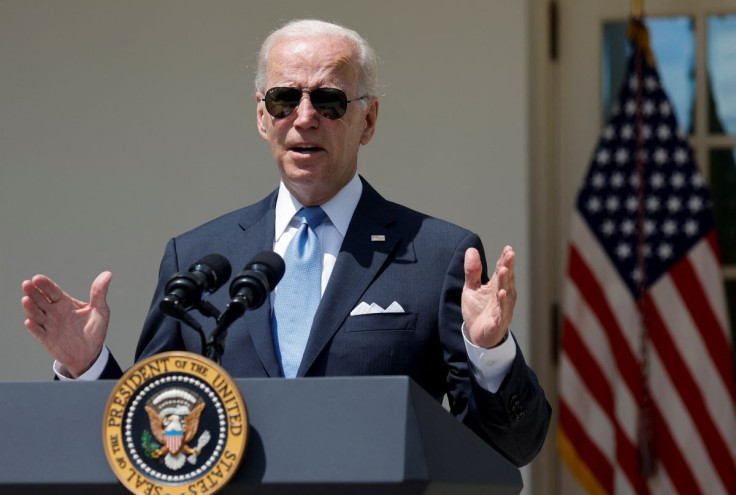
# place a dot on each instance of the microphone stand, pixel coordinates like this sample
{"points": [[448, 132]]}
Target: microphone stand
{"points": [[215, 345], [179, 313]]}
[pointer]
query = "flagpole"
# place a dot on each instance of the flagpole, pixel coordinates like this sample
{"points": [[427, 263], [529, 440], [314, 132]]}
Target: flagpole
{"points": [[639, 37], [637, 9]]}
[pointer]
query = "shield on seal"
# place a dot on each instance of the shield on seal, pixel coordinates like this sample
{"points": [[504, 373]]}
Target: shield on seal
{"points": [[173, 440]]}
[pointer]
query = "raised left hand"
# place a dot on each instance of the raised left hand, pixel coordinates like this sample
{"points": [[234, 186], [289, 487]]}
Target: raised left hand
{"points": [[488, 308]]}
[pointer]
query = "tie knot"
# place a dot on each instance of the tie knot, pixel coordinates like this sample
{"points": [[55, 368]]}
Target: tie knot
{"points": [[312, 216]]}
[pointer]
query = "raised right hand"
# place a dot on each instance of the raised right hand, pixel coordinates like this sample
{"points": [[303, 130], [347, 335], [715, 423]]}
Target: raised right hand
{"points": [[72, 331]]}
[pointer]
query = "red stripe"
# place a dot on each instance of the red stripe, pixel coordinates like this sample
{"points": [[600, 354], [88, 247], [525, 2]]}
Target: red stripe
{"points": [[590, 373], [692, 294], [587, 450], [590, 291], [690, 394]]}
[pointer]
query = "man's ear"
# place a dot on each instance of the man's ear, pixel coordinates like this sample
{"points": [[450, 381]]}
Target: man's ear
{"points": [[261, 116], [371, 117]]}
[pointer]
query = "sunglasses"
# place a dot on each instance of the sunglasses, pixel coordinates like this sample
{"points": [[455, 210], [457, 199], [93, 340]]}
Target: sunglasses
{"points": [[331, 103]]}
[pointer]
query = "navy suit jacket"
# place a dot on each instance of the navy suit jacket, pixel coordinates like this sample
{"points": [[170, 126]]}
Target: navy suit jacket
{"points": [[419, 265]]}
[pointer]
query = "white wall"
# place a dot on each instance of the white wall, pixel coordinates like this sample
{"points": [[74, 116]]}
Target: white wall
{"points": [[125, 123]]}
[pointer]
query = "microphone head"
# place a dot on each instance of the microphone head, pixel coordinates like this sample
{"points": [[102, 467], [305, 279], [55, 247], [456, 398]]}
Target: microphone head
{"points": [[271, 264], [215, 268], [258, 278]]}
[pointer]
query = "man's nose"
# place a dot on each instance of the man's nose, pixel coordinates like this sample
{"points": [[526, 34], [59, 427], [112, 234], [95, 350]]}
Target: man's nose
{"points": [[306, 115]]}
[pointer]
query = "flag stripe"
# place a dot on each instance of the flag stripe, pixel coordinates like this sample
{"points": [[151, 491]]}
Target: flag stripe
{"points": [[588, 371], [707, 324], [598, 386], [671, 456], [576, 464], [678, 423], [586, 449], [712, 238], [588, 368], [581, 275], [710, 274], [690, 393], [689, 342], [600, 429]]}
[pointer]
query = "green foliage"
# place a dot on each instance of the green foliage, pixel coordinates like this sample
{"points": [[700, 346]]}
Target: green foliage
{"points": [[149, 444]]}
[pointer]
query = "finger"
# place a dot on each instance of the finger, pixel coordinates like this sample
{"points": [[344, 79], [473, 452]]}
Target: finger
{"points": [[98, 291], [473, 268], [36, 330], [501, 259], [32, 311], [501, 297], [48, 287], [39, 298], [503, 278]]}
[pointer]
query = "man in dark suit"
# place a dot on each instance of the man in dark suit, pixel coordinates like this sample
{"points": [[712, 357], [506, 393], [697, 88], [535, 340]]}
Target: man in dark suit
{"points": [[399, 293]]}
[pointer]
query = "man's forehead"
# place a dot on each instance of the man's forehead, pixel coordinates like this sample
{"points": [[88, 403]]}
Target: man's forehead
{"points": [[313, 56]]}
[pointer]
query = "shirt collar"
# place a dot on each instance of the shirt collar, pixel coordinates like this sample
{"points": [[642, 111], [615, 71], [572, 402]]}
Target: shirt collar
{"points": [[339, 208]]}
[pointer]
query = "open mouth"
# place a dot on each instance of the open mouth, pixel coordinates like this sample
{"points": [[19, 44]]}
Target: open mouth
{"points": [[306, 149]]}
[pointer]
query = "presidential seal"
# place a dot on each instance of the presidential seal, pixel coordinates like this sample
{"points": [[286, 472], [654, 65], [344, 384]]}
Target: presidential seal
{"points": [[175, 424]]}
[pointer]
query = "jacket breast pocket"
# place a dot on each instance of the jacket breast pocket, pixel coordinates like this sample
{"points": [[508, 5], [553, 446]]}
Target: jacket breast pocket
{"points": [[381, 321]]}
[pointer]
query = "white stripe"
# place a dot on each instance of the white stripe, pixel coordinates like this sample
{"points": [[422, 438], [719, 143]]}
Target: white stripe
{"points": [[587, 410], [621, 485], [681, 427], [689, 342], [661, 484], [710, 274]]}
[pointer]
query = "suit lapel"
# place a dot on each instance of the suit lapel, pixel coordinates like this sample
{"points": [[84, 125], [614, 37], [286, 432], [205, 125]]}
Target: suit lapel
{"points": [[357, 264], [258, 233]]}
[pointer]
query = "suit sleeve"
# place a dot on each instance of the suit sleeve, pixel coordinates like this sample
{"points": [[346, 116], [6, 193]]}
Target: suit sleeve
{"points": [[515, 419]]}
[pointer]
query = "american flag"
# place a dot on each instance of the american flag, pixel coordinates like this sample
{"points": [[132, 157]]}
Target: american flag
{"points": [[646, 345]]}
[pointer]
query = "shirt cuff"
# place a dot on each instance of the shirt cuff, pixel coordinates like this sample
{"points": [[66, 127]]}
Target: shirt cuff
{"points": [[93, 373], [490, 366]]}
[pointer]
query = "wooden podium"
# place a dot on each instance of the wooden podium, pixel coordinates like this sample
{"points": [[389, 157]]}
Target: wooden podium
{"points": [[363, 435]]}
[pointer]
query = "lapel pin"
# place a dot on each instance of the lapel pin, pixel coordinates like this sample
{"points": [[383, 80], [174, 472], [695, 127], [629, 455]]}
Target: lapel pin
{"points": [[378, 238]]}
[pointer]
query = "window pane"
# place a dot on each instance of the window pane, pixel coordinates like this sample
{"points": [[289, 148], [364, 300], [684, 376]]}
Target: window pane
{"points": [[723, 192], [722, 74], [673, 44]]}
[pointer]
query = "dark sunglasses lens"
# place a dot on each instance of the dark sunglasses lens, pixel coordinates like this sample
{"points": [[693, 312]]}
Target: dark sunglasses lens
{"points": [[280, 102], [331, 103]]}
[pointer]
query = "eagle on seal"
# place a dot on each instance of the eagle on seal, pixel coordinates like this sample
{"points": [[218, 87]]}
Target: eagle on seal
{"points": [[175, 436]]}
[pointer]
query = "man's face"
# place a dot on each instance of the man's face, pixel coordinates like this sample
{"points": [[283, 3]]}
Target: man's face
{"points": [[316, 156]]}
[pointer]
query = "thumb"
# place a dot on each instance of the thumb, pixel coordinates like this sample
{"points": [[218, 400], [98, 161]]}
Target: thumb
{"points": [[473, 268], [98, 291]]}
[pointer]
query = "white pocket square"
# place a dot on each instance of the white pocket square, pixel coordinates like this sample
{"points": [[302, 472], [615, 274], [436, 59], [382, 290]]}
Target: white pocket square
{"points": [[366, 309]]}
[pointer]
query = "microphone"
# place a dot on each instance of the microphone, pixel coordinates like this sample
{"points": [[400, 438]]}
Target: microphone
{"points": [[251, 286], [248, 290], [184, 290]]}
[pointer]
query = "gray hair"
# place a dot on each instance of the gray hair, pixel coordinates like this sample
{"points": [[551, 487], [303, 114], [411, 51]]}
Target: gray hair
{"points": [[307, 28]]}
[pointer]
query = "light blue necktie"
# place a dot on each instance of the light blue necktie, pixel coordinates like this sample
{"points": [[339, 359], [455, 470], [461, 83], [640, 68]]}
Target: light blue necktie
{"points": [[299, 292]]}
